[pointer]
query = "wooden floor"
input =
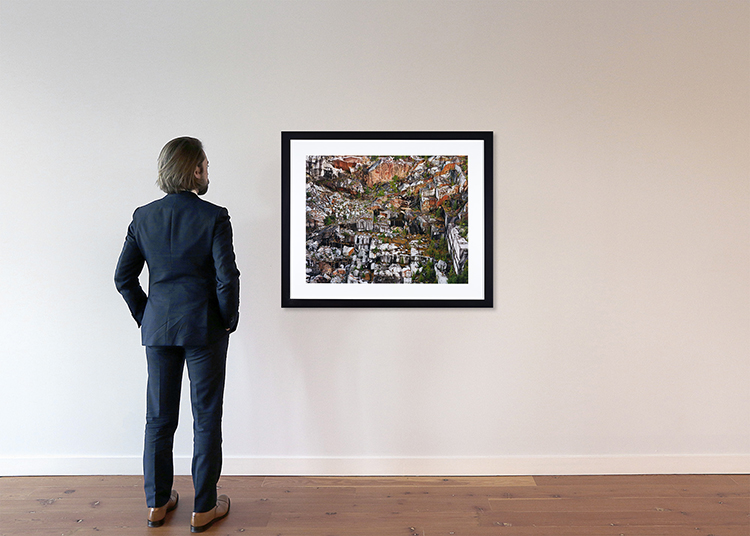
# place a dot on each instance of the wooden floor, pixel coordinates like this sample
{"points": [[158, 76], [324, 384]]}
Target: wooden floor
{"points": [[656, 505]]}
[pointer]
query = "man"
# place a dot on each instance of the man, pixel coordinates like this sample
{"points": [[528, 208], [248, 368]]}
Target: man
{"points": [[191, 308]]}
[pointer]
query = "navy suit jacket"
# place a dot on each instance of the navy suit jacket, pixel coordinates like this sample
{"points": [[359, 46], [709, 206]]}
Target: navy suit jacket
{"points": [[194, 284]]}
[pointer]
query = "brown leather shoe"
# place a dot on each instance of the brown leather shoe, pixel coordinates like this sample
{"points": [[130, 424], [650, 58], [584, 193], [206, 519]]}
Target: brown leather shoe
{"points": [[203, 520], [156, 516]]}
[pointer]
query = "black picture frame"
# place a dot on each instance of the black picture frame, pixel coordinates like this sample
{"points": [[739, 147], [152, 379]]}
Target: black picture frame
{"points": [[312, 154]]}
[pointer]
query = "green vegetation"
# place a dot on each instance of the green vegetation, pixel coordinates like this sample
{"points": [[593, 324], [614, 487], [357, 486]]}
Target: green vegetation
{"points": [[463, 228], [438, 250], [463, 277], [427, 275], [394, 184]]}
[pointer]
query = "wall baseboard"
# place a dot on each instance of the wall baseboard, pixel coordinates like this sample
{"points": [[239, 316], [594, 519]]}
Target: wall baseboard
{"points": [[381, 466]]}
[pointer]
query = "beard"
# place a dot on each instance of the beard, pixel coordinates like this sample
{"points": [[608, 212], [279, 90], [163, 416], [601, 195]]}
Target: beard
{"points": [[203, 188]]}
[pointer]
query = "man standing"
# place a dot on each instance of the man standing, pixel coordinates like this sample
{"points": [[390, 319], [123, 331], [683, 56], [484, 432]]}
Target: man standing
{"points": [[191, 308]]}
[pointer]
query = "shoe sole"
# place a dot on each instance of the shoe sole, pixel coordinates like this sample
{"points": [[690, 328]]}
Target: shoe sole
{"points": [[207, 526]]}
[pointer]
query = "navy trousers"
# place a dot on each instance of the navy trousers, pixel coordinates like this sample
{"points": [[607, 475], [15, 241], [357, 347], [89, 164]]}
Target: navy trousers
{"points": [[207, 372]]}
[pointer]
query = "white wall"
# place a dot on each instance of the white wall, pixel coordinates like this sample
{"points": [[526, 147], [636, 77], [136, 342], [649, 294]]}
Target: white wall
{"points": [[619, 341]]}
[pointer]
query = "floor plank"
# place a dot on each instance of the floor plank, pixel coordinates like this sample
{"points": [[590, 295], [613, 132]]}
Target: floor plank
{"points": [[619, 518], [651, 504], [623, 490], [400, 481]]}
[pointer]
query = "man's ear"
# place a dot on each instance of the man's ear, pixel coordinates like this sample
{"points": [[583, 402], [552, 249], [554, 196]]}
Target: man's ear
{"points": [[197, 172]]}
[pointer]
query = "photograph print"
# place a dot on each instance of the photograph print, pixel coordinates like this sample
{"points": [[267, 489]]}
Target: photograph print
{"points": [[386, 219]]}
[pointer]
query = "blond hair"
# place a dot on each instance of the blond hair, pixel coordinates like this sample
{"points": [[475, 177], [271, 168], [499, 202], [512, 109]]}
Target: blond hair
{"points": [[177, 162]]}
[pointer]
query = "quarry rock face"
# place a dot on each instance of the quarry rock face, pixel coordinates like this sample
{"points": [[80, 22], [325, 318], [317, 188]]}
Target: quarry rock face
{"points": [[385, 169]]}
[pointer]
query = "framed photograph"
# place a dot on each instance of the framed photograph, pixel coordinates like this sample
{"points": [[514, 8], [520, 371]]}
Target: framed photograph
{"points": [[386, 219]]}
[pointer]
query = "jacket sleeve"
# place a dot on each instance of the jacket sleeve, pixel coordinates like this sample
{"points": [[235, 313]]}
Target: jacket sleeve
{"points": [[129, 267], [227, 274]]}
